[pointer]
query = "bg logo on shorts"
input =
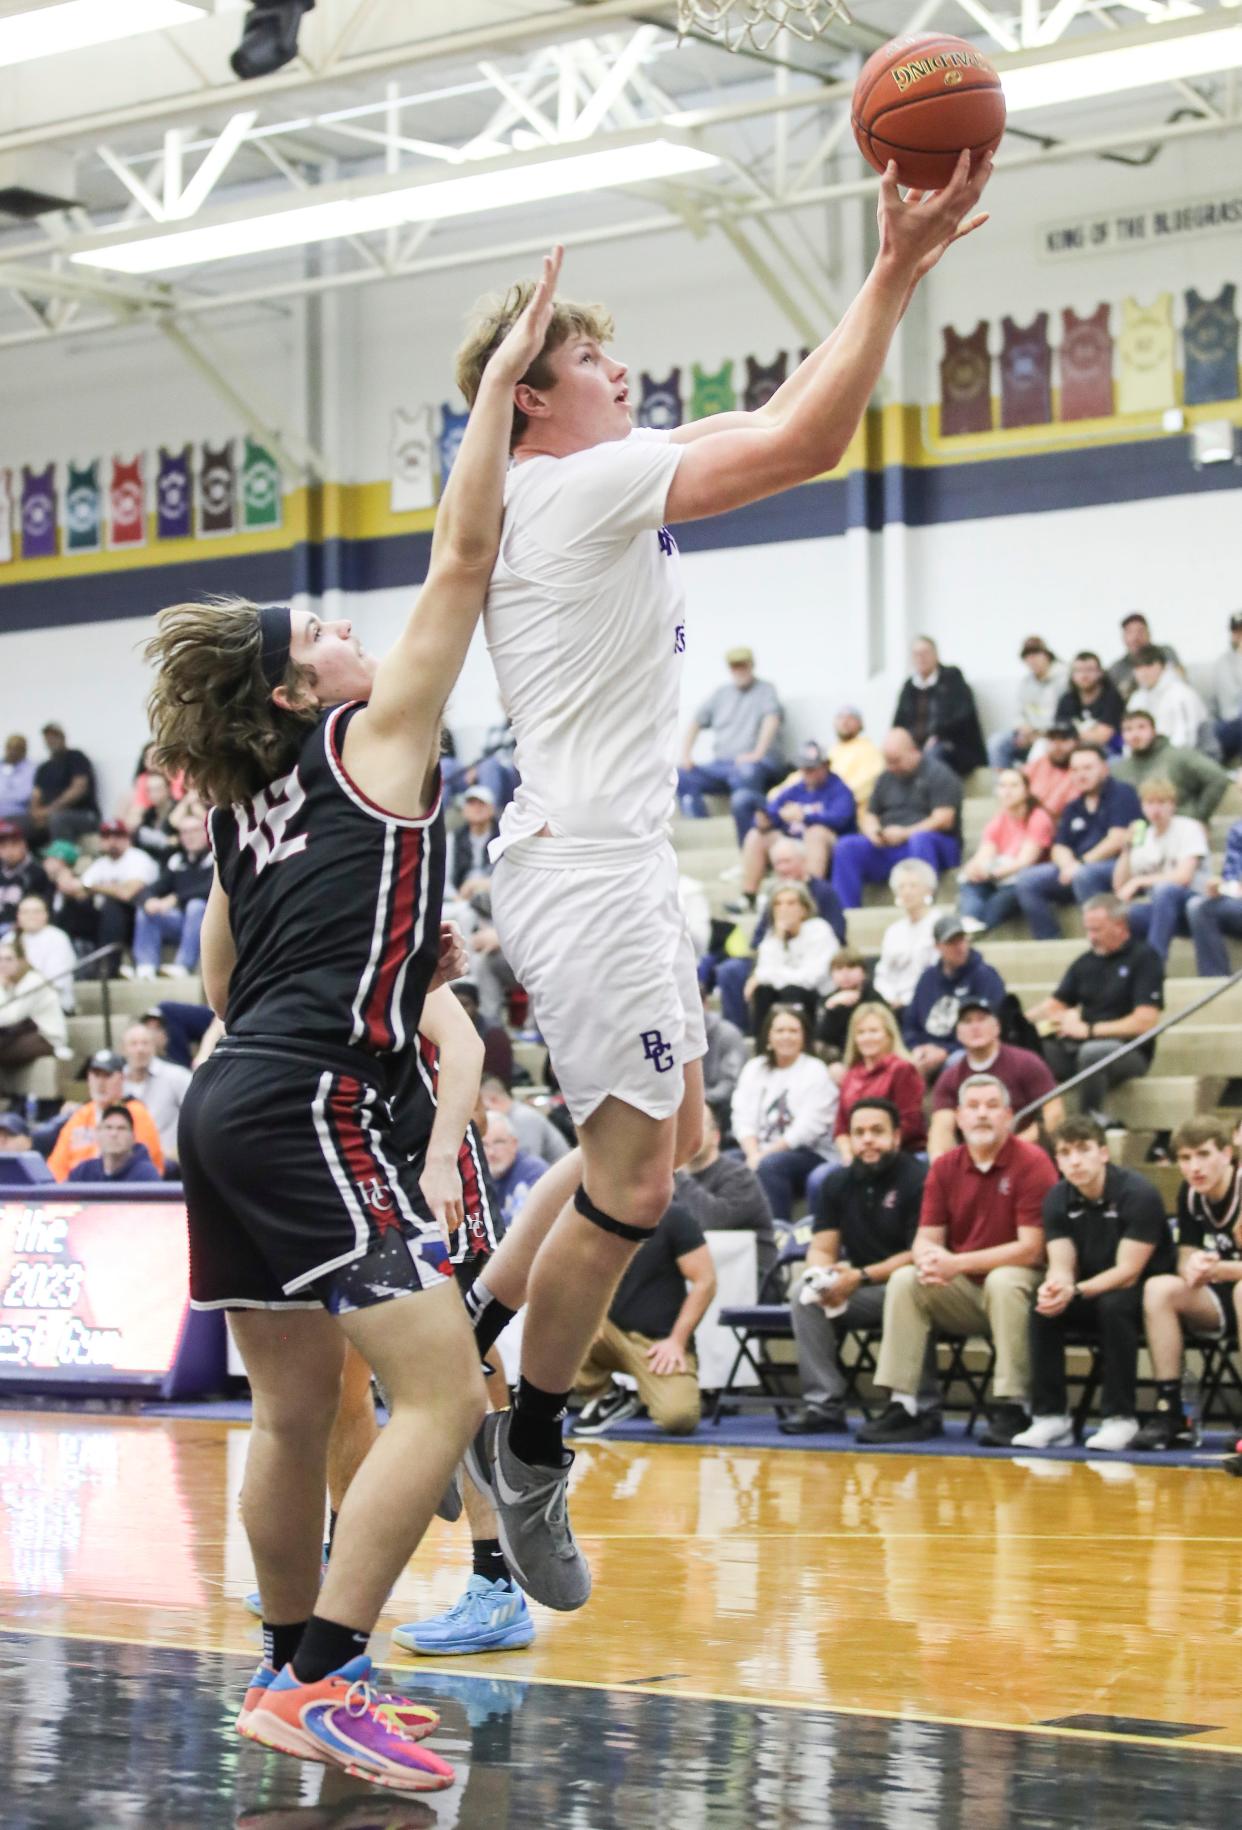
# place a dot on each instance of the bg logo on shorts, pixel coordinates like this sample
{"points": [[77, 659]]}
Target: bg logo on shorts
{"points": [[657, 1050]]}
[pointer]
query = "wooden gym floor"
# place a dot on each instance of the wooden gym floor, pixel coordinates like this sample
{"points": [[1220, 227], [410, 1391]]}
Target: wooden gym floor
{"points": [[776, 1639]]}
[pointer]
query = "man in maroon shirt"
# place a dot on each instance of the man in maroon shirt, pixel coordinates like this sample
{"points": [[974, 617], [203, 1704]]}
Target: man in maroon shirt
{"points": [[1024, 1075], [976, 1257]]}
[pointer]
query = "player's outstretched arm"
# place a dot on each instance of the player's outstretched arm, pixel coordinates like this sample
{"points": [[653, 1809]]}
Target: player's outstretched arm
{"points": [[415, 678], [728, 468]]}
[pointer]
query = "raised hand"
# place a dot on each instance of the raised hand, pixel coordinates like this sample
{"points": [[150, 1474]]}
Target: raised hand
{"points": [[525, 340], [917, 229]]}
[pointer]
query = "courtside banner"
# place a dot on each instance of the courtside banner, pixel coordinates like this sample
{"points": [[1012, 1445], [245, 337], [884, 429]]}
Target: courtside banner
{"points": [[91, 1290]]}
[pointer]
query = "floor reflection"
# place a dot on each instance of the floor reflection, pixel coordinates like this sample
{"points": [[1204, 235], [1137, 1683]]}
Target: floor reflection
{"points": [[110, 1736]]}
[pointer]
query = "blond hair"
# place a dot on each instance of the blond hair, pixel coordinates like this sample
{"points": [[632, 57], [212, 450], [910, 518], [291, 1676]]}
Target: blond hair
{"points": [[492, 320], [211, 711], [884, 1016], [1157, 788]]}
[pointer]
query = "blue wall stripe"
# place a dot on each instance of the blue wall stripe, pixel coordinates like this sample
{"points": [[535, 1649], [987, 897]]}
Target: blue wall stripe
{"points": [[1092, 477]]}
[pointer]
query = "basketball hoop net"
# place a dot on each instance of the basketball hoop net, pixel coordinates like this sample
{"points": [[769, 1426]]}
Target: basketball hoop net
{"points": [[760, 21]]}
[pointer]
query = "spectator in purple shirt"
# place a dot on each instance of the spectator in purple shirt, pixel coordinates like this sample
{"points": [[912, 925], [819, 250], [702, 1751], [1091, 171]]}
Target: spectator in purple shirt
{"points": [[17, 774], [814, 806]]}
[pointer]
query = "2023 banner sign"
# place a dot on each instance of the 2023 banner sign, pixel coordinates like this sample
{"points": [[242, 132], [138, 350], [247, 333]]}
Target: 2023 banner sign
{"points": [[91, 1288]]}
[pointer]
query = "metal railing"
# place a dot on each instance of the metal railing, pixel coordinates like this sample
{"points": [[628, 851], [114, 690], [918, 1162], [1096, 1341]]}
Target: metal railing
{"points": [[76, 971], [1127, 1047]]}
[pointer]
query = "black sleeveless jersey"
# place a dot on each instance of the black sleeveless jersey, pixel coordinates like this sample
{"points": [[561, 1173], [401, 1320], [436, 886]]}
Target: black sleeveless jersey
{"points": [[334, 905]]}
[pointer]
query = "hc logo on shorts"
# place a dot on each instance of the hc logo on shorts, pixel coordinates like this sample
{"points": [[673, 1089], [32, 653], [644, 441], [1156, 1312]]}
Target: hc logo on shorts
{"points": [[375, 1195], [657, 1050]]}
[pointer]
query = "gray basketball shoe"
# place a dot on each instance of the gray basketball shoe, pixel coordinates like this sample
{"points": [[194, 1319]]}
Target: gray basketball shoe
{"points": [[532, 1518]]}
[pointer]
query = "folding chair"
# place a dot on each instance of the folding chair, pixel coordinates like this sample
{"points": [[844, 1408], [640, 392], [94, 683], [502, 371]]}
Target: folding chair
{"points": [[1089, 1380], [1219, 1379], [865, 1341], [976, 1383], [755, 1324]]}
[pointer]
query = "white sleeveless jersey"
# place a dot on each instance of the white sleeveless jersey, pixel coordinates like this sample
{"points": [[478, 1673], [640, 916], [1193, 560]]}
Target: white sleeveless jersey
{"points": [[584, 622]]}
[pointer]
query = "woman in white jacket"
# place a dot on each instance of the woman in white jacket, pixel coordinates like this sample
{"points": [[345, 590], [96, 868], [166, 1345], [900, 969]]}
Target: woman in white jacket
{"points": [[792, 964], [784, 1109], [907, 947], [32, 1023]]}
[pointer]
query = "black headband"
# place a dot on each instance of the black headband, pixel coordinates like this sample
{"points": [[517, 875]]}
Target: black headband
{"points": [[276, 629]]}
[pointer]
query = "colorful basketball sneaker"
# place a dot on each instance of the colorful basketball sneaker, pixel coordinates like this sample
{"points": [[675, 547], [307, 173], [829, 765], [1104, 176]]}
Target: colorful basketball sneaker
{"points": [[489, 1617], [343, 1721], [264, 1676]]}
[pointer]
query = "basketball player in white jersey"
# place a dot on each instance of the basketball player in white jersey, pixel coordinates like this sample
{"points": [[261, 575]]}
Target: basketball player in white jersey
{"points": [[585, 623]]}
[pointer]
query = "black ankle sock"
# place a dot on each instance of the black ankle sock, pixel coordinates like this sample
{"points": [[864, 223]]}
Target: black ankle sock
{"points": [[1170, 1390], [535, 1428], [489, 1317], [280, 1643], [326, 1646], [489, 1560], [332, 1518]]}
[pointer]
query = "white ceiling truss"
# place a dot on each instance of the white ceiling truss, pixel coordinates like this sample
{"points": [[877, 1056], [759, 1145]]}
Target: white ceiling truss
{"points": [[368, 99]]}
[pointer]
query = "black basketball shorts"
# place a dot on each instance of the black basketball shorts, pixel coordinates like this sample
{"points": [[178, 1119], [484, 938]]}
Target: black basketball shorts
{"points": [[297, 1195]]}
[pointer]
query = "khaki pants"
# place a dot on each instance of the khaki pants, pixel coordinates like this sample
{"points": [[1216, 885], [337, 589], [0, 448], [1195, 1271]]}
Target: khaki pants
{"points": [[1000, 1308], [672, 1399]]}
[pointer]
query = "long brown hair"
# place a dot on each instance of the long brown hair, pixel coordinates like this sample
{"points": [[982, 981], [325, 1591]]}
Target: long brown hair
{"points": [[211, 711]]}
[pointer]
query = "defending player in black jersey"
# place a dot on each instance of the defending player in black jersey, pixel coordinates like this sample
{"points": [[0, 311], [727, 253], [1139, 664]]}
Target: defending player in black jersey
{"points": [[321, 939]]}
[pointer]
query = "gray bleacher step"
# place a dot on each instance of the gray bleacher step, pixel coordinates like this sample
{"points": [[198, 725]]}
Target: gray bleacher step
{"points": [[1161, 1101]]}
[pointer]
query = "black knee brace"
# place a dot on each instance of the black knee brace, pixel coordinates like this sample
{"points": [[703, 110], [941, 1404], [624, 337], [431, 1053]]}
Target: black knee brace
{"points": [[605, 1222]]}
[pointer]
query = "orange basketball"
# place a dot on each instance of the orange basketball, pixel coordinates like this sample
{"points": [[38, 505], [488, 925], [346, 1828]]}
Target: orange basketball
{"points": [[921, 100]]}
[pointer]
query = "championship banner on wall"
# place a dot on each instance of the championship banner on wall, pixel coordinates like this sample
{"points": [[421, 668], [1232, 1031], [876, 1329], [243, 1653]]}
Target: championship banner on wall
{"points": [[217, 490], [83, 509], [1155, 226], [411, 469], [174, 503], [260, 488], [39, 513], [127, 504], [91, 1289]]}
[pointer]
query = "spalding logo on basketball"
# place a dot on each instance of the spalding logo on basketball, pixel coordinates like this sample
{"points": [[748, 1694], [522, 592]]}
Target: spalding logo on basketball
{"points": [[921, 100]]}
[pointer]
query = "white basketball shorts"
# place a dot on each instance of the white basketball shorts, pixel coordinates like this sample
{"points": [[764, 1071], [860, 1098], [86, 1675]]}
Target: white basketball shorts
{"points": [[595, 934]]}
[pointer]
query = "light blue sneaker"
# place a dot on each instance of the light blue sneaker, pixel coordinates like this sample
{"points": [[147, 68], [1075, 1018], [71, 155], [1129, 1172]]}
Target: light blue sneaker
{"points": [[489, 1617], [254, 1605]]}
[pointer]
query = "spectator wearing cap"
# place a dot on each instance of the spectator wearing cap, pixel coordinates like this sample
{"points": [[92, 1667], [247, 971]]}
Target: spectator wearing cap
{"points": [[915, 812], [1037, 699], [937, 707], [1199, 780], [48, 949], [160, 1085], [17, 774], [119, 1157], [1106, 1234], [63, 803], [814, 806], [1110, 994], [21, 874], [79, 1140], [1091, 703], [1024, 1075], [19, 1160], [976, 1253], [1179, 712], [1224, 697], [929, 1020], [1165, 864], [111, 886], [1136, 635], [745, 719], [1048, 775], [1091, 833], [470, 868], [854, 757], [1018, 835], [1216, 910]]}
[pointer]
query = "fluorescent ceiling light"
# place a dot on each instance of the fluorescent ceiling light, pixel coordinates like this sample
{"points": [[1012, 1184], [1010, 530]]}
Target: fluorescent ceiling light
{"points": [[77, 23], [1135, 66], [359, 214]]}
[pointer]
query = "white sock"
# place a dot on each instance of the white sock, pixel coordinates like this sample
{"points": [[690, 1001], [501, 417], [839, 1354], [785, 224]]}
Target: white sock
{"points": [[908, 1404]]}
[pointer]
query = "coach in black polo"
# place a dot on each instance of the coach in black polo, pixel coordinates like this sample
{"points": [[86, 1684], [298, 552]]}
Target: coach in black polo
{"points": [[1106, 1233], [866, 1216]]}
